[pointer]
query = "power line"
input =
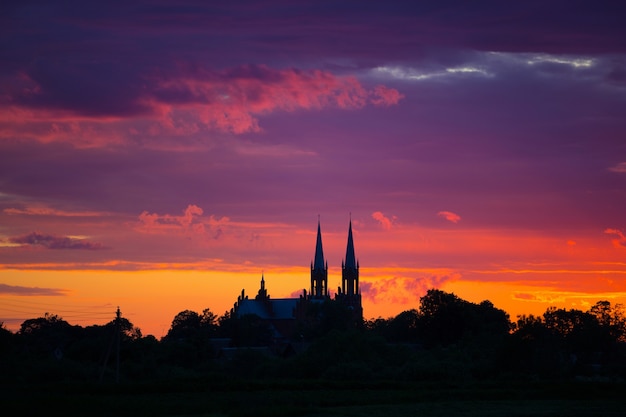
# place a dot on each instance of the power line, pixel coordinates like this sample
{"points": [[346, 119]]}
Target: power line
{"points": [[60, 313], [17, 301], [71, 313]]}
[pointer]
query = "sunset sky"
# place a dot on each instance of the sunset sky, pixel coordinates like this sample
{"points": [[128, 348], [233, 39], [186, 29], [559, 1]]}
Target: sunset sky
{"points": [[162, 155]]}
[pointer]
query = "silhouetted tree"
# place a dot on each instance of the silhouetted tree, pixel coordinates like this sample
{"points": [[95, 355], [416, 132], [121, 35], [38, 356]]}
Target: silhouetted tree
{"points": [[7, 342], [579, 332], [143, 357], [185, 324], [532, 348], [48, 334], [188, 339], [6, 337], [442, 318], [208, 320], [403, 328], [189, 324], [353, 354], [530, 327], [445, 318], [491, 320], [225, 325], [565, 341], [128, 329], [611, 318]]}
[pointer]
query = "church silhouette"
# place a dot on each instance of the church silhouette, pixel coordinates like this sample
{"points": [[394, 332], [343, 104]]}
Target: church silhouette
{"points": [[282, 315]]}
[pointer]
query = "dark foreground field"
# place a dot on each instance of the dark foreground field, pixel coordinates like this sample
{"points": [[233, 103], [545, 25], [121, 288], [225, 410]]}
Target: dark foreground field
{"points": [[207, 397], [449, 358]]}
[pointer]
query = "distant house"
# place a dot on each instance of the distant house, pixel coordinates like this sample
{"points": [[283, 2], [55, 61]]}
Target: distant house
{"points": [[283, 314]]}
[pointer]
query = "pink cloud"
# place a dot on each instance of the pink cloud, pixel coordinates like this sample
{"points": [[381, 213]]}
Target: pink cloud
{"points": [[231, 100], [191, 221], [369, 290], [385, 222], [227, 101], [54, 125], [620, 240], [384, 96], [450, 216], [188, 216], [620, 168], [402, 290]]}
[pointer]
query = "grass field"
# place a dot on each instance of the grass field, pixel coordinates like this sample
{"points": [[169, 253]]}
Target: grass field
{"points": [[242, 398]]}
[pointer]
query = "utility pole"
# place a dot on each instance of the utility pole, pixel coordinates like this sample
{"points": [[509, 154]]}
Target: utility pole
{"points": [[118, 325], [116, 339]]}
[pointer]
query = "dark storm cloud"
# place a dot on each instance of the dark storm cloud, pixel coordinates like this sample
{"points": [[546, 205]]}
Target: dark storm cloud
{"points": [[617, 72], [74, 51], [105, 59], [87, 88]]}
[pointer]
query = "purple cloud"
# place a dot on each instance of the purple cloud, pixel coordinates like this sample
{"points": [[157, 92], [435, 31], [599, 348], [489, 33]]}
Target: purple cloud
{"points": [[511, 115], [525, 296], [55, 242], [31, 291]]}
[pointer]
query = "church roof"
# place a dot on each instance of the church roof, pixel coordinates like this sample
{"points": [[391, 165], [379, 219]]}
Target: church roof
{"points": [[281, 308]]}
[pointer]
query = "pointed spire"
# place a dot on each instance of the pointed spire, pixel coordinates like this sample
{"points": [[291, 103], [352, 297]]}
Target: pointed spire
{"points": [[318, 264], [350, 257]]}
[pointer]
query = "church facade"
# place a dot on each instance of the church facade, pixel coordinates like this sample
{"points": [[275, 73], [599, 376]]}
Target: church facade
{"points": [[283, 314]]}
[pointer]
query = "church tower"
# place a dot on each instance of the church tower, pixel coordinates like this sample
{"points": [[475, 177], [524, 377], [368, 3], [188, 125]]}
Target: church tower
{"points": [[349, 291], [350, 269], [319, 269]]}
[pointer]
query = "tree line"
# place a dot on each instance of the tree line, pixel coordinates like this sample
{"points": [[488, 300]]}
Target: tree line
{"points": [[444, 338]]}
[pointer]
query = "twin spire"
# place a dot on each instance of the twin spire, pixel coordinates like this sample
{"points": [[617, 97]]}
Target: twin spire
{"points": [[319, 268], [350, 259]]}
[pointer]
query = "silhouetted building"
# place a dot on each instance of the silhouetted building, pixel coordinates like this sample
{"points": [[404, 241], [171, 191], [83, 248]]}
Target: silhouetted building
{"points": [[283, 314]]}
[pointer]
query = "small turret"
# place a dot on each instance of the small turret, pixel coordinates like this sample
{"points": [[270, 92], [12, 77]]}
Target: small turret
{"points": [[262, 294]]}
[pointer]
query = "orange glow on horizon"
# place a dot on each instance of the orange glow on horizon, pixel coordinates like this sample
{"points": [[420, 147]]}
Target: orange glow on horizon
{"points": [[151, 298], [521, 272]]}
